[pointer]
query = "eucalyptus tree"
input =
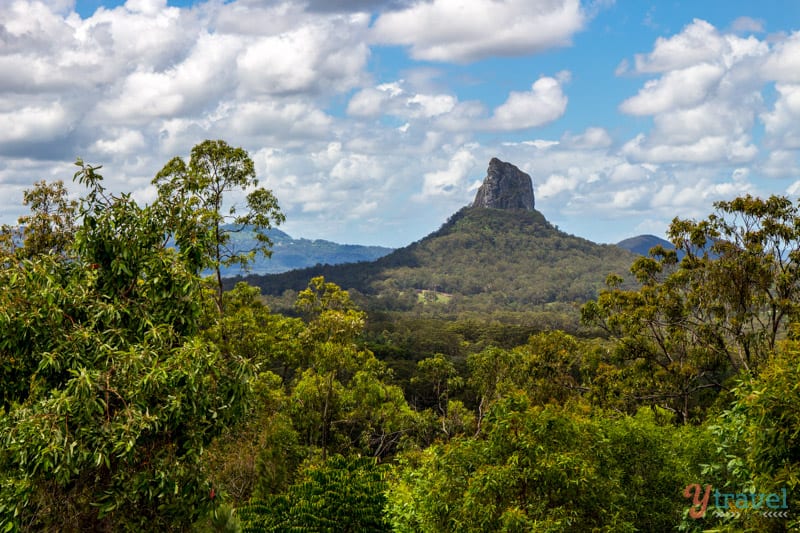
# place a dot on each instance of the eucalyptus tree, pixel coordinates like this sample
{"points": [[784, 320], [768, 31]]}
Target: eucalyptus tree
{"points": [[196, 198], [712, 312], [49, 228]]}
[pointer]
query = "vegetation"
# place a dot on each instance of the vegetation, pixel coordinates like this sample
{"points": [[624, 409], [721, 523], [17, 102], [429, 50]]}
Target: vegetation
{"points": [[481, 260], [136, 396], [192, 198]]}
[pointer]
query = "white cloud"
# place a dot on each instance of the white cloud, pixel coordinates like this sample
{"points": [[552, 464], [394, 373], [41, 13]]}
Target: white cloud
{"points": [[290, 119], [781, 164], [319, 54], [555, 184], [34, 123], [544, 103], [629, 198], [591, 138], [400, 101], [783, 64], [627, 173], [699, 42], [709, 149], [450, 180], [705, 102], [357, 143], [676, 89], [454, 30], [747, 25], [782, 123], [427, 105], [368, 102], [124, 142]]}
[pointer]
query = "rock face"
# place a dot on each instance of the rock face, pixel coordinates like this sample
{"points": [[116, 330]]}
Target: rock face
{"points": [[505, 187]]}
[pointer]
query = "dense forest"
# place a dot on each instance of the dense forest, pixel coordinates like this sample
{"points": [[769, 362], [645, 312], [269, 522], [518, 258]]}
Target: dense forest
{"points": [[138, 395]]}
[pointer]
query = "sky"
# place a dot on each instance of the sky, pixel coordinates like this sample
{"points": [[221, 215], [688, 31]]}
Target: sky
{"points": [[373, 121]]}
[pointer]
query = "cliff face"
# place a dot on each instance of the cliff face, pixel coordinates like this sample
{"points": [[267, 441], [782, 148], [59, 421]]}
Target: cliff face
{"points": [[505, 187]]}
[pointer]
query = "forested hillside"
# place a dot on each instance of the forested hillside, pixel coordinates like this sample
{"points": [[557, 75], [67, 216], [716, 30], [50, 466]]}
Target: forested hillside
{"points": [[479, 260], [138, 395]]}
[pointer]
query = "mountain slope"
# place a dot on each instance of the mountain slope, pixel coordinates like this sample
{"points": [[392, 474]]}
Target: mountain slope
{"points": [[480, 258]]}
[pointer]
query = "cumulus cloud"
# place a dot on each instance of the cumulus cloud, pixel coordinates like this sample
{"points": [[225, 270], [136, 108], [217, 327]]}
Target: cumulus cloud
{"points": [[780, 164], [699, 42], [355, 5], [593, 138], [677, 89], [448, 181], [783, 63], [747, 25], [555, 184], [314, 56], [34, 123], [125, 141], [452, 30], [397, 100], [544, 103], [782, 123], [707, 97]]}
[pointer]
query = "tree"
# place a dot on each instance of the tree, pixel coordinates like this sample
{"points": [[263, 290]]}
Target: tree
{"points": [[195, 196], [50, 228], [340, 400], [696, 322], [549, 368], [441, 376], [109, 393], [756, 438], [548, 468], [340, 494]]}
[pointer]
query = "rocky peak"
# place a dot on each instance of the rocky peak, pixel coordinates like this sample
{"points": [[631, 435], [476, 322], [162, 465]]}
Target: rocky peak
{"points": [[505, 187]]}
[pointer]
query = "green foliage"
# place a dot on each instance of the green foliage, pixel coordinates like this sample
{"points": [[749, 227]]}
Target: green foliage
{"points": [[549, 369], [193, 197], [439, 375], [545, 469], [341, 401], [758, 442], [109, 394], [260, 453], [51, 226], [136, 396], [340, 494], [694, 324]]}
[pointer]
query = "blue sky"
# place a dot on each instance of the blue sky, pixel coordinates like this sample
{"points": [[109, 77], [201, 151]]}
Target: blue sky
{"points": [[374, 120]]}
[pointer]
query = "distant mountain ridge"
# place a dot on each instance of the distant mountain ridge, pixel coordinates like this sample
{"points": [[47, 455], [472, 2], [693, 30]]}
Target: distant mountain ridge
{"points": [[289, 253], [641, 244]]}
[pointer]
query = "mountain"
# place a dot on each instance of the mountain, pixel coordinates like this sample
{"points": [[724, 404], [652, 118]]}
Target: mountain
{"points": [[289, 253], [482, 258], [641, 244], [505, 187]]}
